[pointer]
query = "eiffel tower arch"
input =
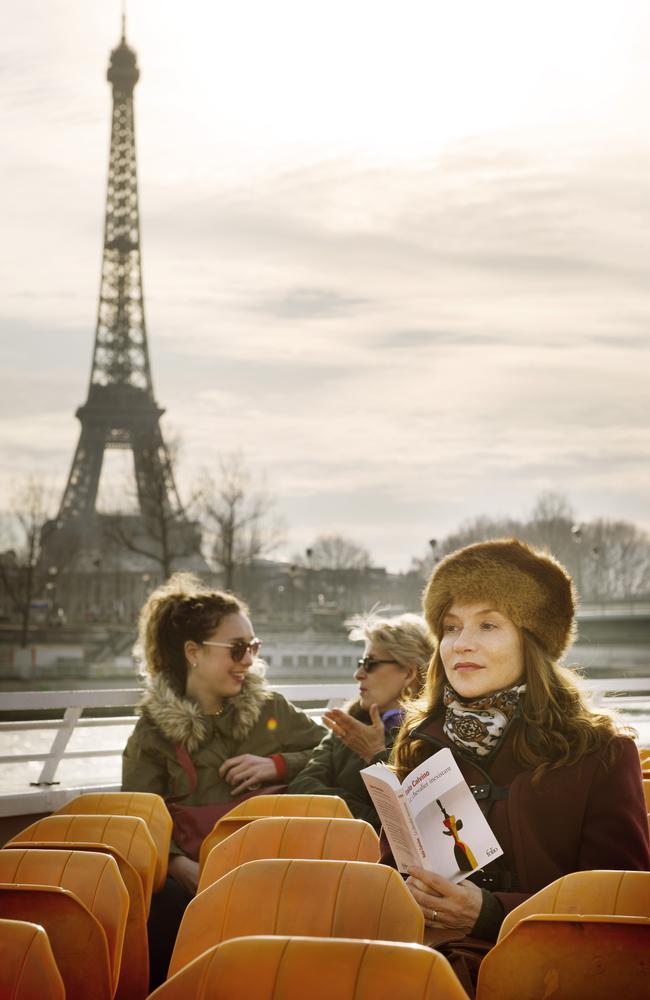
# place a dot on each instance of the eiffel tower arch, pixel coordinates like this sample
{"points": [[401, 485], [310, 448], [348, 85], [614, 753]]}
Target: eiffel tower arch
{"points": [[121, 410]]}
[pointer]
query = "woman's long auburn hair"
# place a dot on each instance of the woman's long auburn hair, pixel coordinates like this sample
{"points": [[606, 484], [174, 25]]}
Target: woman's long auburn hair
{"points": [[557, 725]]}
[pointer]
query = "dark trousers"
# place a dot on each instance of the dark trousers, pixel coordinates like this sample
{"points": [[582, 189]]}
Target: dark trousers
{"points": [[167, 909]]}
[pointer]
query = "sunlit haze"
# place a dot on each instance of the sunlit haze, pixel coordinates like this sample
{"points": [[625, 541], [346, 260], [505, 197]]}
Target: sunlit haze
{"points": [[395, 253]]}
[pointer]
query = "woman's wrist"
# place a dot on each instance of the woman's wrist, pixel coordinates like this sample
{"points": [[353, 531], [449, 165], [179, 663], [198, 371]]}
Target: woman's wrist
{"points": [[488, 923]]}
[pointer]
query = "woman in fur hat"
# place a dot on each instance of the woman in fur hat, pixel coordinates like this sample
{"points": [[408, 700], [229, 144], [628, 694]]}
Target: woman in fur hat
{"points": [[206, 708], [392, 670], [559, 782]]}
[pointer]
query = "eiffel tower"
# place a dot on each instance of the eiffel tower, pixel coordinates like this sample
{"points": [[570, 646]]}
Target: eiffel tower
{"points": [[121, 410]]}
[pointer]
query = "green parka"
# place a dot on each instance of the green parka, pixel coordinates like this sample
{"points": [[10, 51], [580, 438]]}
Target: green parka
{"points": [[334, 770], [257, 721]]}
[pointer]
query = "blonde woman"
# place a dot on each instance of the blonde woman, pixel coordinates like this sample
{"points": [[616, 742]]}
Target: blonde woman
{"points": [[390, 672]]}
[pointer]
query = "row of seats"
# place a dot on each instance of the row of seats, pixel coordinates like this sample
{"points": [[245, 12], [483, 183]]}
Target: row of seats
{"points": [[86, 874], [243, 893], [98, 860]]}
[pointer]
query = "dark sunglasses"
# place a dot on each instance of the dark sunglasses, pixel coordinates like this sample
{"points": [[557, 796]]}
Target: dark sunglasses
{"points": [[368, 663], [238, 648]]}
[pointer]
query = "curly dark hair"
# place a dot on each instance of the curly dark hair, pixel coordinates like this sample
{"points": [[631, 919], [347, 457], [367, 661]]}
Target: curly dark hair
{"points": [[181, 609]]}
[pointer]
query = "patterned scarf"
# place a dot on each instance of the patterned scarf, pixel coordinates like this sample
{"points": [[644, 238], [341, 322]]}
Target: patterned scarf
{"points": [[478, 725]]}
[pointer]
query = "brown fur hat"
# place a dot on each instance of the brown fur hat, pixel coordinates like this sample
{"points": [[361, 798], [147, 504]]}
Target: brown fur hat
{"points": [[530, 587]]}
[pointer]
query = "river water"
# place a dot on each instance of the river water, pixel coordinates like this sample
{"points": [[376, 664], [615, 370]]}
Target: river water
{"points": [[16, 777]]}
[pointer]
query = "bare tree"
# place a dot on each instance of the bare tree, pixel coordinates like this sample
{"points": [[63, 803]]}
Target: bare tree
{"points": [[162, 533], [609, 560], [336, 552], [478, 529], [615, 560], [22, 574], [238, 517]]}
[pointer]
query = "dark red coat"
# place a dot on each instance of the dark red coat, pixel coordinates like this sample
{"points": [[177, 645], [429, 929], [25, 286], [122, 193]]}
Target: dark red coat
{"points": [[579, 817]]}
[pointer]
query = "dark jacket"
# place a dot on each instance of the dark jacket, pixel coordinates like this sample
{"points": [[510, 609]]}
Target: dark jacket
{"points": [[257, 721], [333, 769], [578, 817]]}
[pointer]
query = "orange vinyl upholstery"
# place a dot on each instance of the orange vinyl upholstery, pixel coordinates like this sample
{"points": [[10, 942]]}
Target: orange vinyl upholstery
{"points": [[592, 892], [128, 835], [355, 899], [92, 877], [28, 970], [272, 805], [132, 835], [76, 937], [331, 839], [291, 968], [574, 956], [292, 805], [151, 808]]}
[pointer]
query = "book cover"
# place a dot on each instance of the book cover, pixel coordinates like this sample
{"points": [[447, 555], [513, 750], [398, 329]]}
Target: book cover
{"points": [[432, 819]]}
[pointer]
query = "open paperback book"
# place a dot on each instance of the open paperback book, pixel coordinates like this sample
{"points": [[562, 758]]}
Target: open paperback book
{"points": [[432, 819]]}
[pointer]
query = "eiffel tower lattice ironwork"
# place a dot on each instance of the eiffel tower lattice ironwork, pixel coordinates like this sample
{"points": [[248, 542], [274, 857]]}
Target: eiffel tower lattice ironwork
{"points": [[121, 411]]}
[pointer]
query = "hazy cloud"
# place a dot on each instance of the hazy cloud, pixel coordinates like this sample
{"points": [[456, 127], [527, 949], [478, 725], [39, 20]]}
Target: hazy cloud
{"points": [[402, 341]]}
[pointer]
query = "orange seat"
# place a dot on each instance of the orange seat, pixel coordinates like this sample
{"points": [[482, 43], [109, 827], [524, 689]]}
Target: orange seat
{"points": [[127, 839], [27, 967], [93, 882], [569, 956], [353, 899], [151, 808], [591, 892], [292, 805], [285, 968], [272, 805], [77, 938], [292, 837], [129, 836], [646, 792]]}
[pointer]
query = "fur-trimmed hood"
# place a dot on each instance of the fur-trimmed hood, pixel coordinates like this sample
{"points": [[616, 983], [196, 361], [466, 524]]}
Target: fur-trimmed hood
{"points": [[180, 719]]}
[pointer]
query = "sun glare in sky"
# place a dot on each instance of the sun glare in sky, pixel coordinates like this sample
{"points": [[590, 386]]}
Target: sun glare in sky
{"points": [[395, 252]]}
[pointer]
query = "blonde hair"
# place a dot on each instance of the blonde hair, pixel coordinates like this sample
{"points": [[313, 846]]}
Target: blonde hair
{"points": [[558, 726], [179, 610], [406, 638]]}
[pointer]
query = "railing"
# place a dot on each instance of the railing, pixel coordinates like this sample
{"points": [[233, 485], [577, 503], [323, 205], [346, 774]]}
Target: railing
{"points": [[45, 794]]}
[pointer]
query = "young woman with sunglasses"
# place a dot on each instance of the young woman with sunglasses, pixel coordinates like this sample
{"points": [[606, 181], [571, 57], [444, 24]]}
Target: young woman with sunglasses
{"points": [[391, 671], [205, 696]]}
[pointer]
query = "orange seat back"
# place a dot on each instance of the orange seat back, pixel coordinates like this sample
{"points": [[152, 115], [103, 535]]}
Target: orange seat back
{"points": [[285, 968], [151, 808], [590, 892], [128, 835], [579, 957], [92, 877], [28, 970], [292, 837], [272, 805], [132, 834], [292, 805], [646, 792], [76, 937], [353, 899]]}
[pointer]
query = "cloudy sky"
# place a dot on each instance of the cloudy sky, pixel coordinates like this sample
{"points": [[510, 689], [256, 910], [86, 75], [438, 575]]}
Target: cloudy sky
{"points": [[396, 251]]}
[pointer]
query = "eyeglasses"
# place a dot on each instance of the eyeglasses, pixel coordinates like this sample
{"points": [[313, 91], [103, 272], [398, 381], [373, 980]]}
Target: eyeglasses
{"points": [[238, 648], [368, 663]]}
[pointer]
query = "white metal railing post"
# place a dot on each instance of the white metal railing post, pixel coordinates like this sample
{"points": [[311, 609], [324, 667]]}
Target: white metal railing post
{"points": [[59, 744]]}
